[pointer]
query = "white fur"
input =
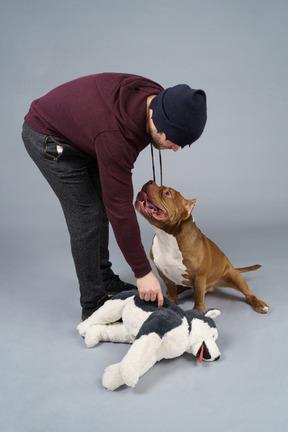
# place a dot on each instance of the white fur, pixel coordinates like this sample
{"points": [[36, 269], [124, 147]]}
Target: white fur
{"points": [[175, 342], [111, 333], [134, 317], [143, 354], [98, 327], [109, 312], [168, 257]]}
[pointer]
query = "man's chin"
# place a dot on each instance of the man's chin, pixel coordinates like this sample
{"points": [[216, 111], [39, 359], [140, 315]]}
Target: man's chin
{"points": [[155, 144]]}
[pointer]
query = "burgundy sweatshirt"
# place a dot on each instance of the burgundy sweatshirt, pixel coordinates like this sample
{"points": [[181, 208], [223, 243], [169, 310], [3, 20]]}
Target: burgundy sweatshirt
{"points": [[105, 116]]}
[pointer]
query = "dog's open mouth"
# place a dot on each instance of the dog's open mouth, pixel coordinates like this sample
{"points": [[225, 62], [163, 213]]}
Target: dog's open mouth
{"points": [[148, 209]]}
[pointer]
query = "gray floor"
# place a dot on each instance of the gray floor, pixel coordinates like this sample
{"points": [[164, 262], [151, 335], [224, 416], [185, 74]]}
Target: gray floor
{"points": [[237, 52], [52, 382]]}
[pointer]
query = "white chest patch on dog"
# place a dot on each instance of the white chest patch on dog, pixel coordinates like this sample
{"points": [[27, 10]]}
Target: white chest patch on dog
{"points": [[168, 257]]}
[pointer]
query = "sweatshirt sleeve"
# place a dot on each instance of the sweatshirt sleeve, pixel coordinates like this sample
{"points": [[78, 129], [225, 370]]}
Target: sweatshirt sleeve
{"points": [[116, 160]]}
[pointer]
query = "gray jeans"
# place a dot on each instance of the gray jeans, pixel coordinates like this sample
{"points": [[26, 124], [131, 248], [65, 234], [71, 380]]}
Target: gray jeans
{"points": [[74, 177]]}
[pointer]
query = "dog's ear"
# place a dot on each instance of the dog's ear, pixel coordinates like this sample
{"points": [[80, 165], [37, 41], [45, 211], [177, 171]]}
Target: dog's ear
{"points": [[190, 204]]}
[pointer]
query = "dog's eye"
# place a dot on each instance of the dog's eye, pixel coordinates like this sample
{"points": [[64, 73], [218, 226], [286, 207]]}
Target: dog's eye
{"points": [[167, 193]]}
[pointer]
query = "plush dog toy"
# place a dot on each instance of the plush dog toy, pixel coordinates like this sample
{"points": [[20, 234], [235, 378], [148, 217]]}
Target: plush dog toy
{"points": [[155, 333]]}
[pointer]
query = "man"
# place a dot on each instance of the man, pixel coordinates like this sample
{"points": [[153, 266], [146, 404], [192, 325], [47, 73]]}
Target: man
{"points": [[85, 136]]}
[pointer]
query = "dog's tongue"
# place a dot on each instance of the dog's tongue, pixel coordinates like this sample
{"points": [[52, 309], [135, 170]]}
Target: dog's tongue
{"points": [[142, 196], [151, 206]]}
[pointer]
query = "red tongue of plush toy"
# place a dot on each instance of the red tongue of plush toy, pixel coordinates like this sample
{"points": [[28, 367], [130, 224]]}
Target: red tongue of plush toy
{"points": [[200, 357]]}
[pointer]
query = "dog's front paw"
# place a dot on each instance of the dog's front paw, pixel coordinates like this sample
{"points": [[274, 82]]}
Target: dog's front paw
{"points": [[172, 298], [112, 378], [92, 337]]}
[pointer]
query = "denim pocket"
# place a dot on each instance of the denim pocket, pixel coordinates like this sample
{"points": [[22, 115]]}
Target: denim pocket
{"points": [[52, 148]]}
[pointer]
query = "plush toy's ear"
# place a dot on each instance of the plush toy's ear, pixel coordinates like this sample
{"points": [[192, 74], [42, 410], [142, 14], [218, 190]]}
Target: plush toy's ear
{"points": [[212, 313], [190, 204]]}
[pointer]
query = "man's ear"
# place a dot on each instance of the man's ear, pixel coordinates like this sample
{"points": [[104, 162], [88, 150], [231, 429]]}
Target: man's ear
{"points": [[190, 204]]}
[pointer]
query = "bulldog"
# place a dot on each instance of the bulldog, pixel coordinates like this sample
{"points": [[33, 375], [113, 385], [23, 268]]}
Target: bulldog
{"points": [[184, 257]]}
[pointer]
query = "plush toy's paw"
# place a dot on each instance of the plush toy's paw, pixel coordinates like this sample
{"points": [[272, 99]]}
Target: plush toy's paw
{"points": [[92, 336], [112, 378], [83, 327], [130, 374]]}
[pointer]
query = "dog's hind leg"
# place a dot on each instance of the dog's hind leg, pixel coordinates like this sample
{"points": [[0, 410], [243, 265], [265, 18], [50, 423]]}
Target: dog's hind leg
{"points": [[233, 279]]}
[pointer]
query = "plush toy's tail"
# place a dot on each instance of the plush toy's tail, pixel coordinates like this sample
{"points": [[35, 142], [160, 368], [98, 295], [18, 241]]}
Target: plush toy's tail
{"points": [[248, 269]]}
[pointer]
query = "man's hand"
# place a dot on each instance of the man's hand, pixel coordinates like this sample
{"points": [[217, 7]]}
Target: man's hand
{"points": [[149, 288]]}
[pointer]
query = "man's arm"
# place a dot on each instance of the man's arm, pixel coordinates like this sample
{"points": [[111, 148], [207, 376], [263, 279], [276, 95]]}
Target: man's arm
{"points": [[116, 160]]}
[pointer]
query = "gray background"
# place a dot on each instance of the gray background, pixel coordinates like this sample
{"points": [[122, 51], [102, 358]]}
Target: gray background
{"points": [[237, 52]]}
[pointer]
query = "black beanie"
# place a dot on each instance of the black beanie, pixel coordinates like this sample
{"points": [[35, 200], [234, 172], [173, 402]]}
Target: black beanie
{"points": [[180, 112]]}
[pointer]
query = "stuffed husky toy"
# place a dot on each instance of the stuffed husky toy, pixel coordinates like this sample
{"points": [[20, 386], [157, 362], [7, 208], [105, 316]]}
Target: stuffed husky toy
{"points": [[155, 333]]}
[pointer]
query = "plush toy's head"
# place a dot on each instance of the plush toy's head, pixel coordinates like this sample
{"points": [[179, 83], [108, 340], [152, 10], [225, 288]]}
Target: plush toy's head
{"points": [[203, 334]]}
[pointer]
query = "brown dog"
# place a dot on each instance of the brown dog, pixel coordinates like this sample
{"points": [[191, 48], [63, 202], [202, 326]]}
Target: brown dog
{"points": [[183, 256]]}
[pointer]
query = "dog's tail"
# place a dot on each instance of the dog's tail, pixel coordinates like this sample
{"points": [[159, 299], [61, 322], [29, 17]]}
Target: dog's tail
{"points": [[248, 269]]}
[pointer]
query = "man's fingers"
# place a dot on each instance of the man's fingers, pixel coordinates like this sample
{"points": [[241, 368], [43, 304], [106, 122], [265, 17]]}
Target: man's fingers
{"points": [[150, 289], [160, 299], [153, 297]]}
